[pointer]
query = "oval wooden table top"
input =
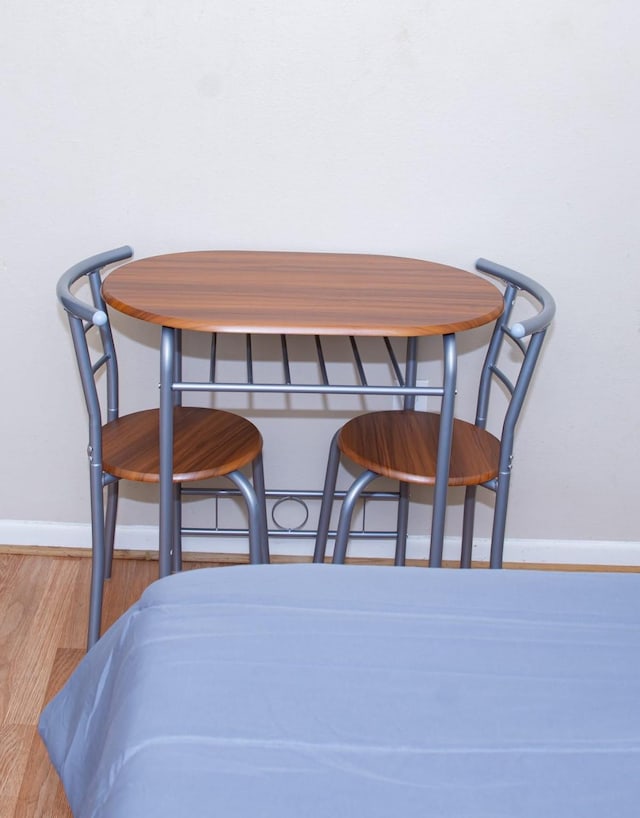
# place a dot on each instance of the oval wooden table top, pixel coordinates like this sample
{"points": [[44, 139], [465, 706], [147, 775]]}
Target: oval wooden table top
{"points": [[302, 293]]}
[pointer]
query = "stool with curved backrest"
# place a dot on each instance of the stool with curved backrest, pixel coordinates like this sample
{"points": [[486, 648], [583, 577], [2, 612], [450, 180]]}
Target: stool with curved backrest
{"points": [[403, 444], [207, 442]]}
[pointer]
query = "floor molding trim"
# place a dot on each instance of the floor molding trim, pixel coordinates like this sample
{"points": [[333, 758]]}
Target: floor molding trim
{"points": [[141, 541]]}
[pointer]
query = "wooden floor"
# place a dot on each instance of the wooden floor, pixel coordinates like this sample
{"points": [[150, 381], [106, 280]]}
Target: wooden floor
{"points": [[43, 615]]}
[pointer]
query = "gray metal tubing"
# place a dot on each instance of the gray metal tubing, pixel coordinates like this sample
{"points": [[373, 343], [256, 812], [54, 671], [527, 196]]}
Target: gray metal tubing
{"points": [[176, 552], [332, 472], [499, 520], [88, 387], [522, 282], [517, 400], [167, 362], [258, 530], [97, 553], [284, 387], [402, 524], [536, 328], [321, 360], [394, 361], [260, 493], [98, 544], [444, 451], [411, 371], [493, 350], [212, 357], [506, 448], [346, 513], [504, 380], [249, 357], [310, 389], [328, 493], [468, 520], [82, 317], [306, 534], [177, 366], [311, 494], [106, 337], [257, 517], [73, 304], [357, 357], [285, 359], [111, 515]]}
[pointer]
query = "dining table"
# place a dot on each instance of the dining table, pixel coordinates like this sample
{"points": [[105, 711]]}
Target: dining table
{"points": [[302, 293]]}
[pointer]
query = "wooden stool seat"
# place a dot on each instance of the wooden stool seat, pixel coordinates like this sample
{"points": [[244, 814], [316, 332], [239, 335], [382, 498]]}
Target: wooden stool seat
{"points": [[403, 445], [206, 443]]}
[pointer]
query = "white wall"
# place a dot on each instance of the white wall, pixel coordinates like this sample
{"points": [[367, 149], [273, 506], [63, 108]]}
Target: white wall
{"points": [[445, 130]]}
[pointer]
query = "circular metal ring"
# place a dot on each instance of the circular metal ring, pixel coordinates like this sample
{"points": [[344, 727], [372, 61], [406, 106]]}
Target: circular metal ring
{"points": [[290, 500]]}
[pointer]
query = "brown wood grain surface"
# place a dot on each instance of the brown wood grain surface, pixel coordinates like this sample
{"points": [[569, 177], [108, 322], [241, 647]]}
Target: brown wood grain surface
{"points": [[207, 443], [404, 445], [302, 293], [43, 614]]}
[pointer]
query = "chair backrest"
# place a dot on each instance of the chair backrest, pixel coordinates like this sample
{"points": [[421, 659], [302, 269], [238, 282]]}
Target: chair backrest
{"points": [[526, 336], [84, 317]]}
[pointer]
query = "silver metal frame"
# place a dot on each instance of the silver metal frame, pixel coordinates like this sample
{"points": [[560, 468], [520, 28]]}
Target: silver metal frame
{"points": [[83, 318], [171, 384], [534, 329]]}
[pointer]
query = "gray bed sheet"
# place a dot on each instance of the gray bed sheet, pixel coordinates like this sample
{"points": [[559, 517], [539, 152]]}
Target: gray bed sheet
{"points": [[312, 690]]}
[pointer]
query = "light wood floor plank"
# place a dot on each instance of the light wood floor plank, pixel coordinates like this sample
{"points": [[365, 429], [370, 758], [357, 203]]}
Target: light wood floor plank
{"points": [[7, 807], [43, 625], [41, 793], [15, 741], [74, 630], [19, 603], [38, 640]]}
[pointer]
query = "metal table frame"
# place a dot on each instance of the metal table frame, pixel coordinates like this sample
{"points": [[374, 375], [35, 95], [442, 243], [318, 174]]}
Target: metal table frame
{"points": [[172, 386]]}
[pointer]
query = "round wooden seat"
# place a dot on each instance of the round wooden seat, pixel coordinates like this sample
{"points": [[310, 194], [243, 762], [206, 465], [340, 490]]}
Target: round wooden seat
{"points": [[403, 444], [207, 443]]}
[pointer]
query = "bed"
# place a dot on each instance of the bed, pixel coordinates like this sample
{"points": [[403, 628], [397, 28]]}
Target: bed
{"points": [[317, 690]]}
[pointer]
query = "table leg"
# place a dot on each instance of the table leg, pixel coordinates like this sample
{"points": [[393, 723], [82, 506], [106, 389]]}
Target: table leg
{"points": [[176, 551], [166, 528], [444, 451], [411, 375]]}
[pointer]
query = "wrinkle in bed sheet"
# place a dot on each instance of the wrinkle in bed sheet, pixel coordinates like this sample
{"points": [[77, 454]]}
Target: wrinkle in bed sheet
{"points": [[341, 690]]}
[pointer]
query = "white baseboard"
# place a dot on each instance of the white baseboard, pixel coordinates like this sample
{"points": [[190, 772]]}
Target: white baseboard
{"points": [[145, 538]]}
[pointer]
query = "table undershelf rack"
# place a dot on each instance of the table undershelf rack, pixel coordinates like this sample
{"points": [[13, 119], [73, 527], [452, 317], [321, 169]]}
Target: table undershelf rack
{"points": [[377, 366]]}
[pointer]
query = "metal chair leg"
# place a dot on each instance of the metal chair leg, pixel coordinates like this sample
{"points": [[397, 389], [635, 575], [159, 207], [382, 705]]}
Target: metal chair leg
{"points": [[257, 516], [328, 493], [499, 520], [346, 513], [467, 526], [110, 527], [402, 524], [97, 554], [176, 551], [259, 489]]}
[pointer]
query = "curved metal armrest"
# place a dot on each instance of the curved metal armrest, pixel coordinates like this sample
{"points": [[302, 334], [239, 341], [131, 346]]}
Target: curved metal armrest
{"points": [[63, 289], [538, 322]]}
